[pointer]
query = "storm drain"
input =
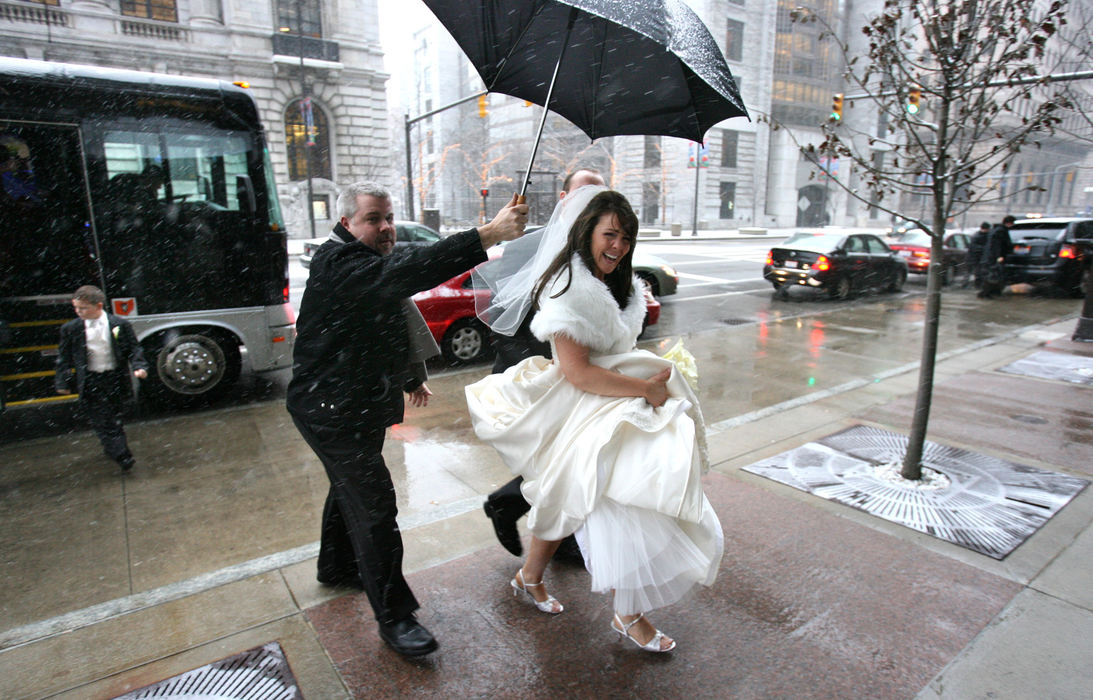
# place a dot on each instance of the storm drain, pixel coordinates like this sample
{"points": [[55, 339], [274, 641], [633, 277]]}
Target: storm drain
{"points": [[1062, 366], [261, 673], [986, 504]]}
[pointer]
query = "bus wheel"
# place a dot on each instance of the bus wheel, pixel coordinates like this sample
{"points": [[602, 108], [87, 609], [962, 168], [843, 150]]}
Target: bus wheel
{"points": [[195, 365]]}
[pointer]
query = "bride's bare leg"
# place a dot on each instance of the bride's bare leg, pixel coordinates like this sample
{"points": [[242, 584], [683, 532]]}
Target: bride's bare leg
{"points": [[539, 554]]}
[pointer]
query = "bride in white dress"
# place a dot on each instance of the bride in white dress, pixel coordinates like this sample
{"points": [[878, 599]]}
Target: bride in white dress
{"points": [[609, 439]]}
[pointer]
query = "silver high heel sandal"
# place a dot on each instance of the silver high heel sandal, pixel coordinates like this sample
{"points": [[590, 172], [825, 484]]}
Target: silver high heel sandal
{"points": [[550, 605], [652, 645]]}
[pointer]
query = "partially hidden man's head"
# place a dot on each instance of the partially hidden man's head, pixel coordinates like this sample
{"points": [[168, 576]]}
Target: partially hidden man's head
{"points": [[579, 178], [364, 209], [88, 301], [1009, 220]]}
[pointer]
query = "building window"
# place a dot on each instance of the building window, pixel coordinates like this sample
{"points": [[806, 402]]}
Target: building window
{"points": [[729, 141], [296, 141], [300, 17], [652, 151], [163, 10], [650, 202], [734, 40], [728, 201], [54, 3]]}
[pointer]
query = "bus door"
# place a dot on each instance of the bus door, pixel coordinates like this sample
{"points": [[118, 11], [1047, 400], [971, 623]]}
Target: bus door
{"points": [[47, 250]]}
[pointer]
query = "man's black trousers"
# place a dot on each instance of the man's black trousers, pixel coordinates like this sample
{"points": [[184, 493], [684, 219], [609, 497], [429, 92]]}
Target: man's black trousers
{"points": [[359, 532], [103, 398]]}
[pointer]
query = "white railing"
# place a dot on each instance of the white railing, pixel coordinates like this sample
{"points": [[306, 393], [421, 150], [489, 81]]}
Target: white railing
{"points": [[154, 30], [33, 14]]}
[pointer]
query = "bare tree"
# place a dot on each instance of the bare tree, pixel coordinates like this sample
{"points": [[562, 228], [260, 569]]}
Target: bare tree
{"points": [[943, 95]]}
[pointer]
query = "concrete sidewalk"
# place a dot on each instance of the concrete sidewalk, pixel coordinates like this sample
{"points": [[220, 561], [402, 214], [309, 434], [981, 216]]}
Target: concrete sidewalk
{"points": [[814, 599]]}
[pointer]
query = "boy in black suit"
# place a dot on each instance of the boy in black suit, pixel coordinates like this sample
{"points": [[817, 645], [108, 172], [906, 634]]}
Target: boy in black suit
{"points": [[102, 349]]}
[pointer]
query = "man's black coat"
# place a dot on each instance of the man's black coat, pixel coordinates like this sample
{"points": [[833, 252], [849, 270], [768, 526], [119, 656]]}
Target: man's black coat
{"points": [[352, 350], [72, 354]]}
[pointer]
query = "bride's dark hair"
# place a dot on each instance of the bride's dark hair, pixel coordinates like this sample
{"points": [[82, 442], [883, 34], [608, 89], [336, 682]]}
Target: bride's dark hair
{"points": [[620, 281]]}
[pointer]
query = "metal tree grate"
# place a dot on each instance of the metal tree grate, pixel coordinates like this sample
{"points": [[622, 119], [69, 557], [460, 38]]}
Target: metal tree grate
{"points": [[990, 506], [261, 673]]}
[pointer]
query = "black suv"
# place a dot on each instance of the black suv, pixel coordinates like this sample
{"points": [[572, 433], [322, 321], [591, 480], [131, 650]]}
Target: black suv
{"points": [[1050, 251]]}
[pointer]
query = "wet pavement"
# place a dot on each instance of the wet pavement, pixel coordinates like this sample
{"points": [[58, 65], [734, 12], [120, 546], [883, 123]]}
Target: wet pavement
{"points": [[207, 549]]}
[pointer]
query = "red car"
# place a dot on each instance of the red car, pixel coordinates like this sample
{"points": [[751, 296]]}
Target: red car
{"points": [[449, 312], [914, 247]]}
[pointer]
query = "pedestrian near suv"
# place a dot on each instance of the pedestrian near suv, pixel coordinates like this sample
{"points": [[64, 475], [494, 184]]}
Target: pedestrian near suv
{"points": [[993, 265], [975, 252], [102, 352]]}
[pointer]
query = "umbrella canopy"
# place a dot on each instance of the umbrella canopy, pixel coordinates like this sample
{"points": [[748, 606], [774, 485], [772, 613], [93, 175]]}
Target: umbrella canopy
{"points": [[628, 66]]}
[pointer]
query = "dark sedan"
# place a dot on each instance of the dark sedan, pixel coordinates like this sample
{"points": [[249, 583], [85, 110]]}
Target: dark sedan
{"points": [[914, 247], [838, 263]]}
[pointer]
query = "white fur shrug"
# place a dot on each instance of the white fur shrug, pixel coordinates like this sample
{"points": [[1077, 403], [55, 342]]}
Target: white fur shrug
{"points": [[587, 312]]}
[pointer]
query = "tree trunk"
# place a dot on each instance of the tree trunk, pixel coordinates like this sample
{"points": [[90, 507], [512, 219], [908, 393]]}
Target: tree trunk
{"points": [[942, 186]]}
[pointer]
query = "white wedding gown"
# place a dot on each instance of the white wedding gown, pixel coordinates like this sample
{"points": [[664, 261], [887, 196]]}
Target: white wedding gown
{"points": [[622, 475]]}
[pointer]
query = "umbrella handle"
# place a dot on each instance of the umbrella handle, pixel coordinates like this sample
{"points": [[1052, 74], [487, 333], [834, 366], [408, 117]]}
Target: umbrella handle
{"points": [[521, 199]]}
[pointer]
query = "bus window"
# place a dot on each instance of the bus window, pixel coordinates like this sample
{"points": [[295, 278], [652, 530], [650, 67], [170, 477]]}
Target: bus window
{"points": [[172, 208]]}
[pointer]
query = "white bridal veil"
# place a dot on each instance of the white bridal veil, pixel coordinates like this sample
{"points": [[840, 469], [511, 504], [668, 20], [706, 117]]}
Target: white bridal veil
{"points": [[511, 278]]}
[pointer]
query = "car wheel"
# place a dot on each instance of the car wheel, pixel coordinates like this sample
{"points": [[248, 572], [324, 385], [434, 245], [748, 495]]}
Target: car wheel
{"points": [[897, 281], [466, 341], [192, 366], [841, 289], [650, 280]]}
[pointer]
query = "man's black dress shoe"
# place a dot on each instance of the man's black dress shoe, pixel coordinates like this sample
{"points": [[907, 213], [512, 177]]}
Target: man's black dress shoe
{"points": [[505, 529], [408, 637]]}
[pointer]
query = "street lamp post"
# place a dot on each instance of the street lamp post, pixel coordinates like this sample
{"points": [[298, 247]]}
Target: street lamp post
{"points": [[305, 111]]}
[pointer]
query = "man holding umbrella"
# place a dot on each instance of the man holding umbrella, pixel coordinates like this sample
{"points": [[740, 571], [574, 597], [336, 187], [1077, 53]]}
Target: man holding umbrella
{"points": [[353, 360]]}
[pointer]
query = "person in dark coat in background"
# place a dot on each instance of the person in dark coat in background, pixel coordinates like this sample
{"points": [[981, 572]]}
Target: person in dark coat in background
{"points": [[993, 265], [505, 506], [976, 245], [354, 358], [100, 350]]}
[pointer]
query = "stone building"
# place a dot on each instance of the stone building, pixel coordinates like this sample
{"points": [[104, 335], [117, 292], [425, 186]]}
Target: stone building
{"points": [[291, 53]]}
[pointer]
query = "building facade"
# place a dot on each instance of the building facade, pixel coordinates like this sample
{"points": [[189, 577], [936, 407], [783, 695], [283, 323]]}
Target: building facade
{"points": [[315, 69]]}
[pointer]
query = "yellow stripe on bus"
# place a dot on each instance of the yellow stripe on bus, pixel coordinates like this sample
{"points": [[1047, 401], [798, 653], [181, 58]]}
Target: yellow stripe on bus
{"points": [[31, 348], [27, 375], [27, 402], [32, 324]]}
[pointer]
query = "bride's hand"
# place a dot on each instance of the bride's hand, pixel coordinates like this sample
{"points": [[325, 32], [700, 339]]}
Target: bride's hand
{"points": [[657, 391]]}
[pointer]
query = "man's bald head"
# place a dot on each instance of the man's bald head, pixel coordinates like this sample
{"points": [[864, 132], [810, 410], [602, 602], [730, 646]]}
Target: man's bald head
{"points": [[580, 178]]}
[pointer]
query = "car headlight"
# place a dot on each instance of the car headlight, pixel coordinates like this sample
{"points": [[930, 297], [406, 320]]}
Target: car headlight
{"points": [[670, 271]]}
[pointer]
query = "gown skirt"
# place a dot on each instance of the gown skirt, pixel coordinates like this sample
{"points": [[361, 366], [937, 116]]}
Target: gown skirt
{"points": [[623, 476]]}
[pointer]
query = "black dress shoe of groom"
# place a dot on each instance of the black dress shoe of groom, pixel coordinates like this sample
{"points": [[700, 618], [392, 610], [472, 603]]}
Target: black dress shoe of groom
{"points": [[408, 637], [505, 529]]}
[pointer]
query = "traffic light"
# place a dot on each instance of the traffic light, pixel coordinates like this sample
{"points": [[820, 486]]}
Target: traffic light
{"points": [[482, 104], [837, 106], [914, 96], [485, 192]]}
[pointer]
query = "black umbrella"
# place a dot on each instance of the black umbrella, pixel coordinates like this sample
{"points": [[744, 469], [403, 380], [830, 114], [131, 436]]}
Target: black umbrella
{"points": [[612, 67]]}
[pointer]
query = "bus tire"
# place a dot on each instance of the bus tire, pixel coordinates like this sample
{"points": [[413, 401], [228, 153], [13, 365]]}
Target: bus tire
{"points": [[195, 365]]}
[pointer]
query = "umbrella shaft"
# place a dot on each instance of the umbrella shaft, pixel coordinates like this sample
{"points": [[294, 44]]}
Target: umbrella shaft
{"points": [[546, 105]]}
